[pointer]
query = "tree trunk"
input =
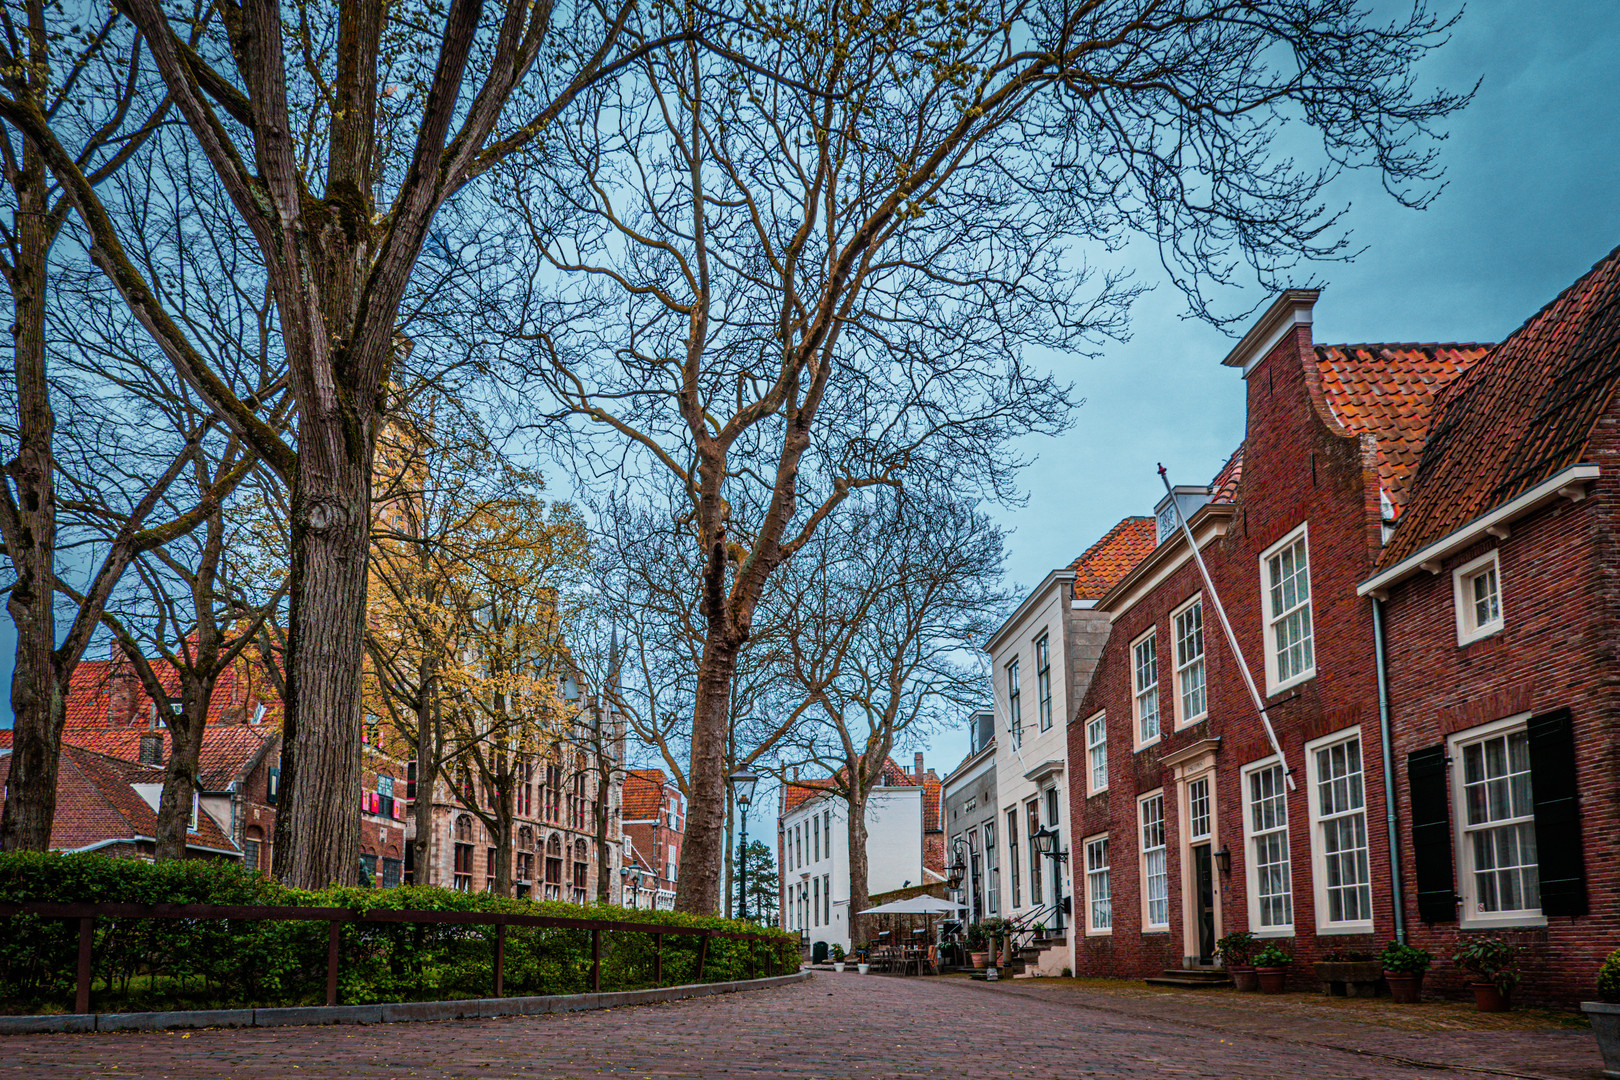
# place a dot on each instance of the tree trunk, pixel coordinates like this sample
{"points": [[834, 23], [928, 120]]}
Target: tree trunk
{"points": [[318, 827], [427, 774], [858, 894], [698, 892], [503, 831], [38, 697], [604, 784], [180, 775]]}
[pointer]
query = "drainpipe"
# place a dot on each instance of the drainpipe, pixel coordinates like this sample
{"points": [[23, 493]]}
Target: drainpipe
{"points": [[1389, 772]]}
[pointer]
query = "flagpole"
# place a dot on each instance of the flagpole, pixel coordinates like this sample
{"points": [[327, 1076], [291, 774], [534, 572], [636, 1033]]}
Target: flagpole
{"points": [[1231, 638]]}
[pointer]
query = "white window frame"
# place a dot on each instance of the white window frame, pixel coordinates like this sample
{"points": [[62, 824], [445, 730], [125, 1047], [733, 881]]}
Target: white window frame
{"points": [[1467, 917], [1097, 752], [1148, 925], [1275, 684], [1015, 703], [1183, 718], [1324, 925], [1043, 680], [1462, 597], [1138, 692], [1251, 864], [1088, 873]]}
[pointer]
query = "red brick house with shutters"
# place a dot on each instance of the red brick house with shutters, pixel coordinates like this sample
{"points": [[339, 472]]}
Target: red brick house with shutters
{"points": [[1183, 826], [1500, 596]]}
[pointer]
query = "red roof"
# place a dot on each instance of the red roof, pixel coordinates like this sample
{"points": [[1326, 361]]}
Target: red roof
{"points": [[1387, 391], [1521, 414], [95, 802], [1112, 557], [644, 794], [795, 793], [228, 752], [1223, 489]]}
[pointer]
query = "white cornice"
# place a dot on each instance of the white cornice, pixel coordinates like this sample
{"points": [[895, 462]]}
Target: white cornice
{"points": [[1029, 604], [1209, 523], [985, 757], [1292, 308], [1569, 484]]}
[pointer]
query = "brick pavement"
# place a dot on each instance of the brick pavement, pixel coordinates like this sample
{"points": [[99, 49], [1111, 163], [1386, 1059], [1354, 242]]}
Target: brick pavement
{"points": [[829, 1028]]}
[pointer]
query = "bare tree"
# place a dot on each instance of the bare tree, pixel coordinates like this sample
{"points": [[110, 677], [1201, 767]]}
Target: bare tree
{"points": [[337, 132], [888, 606], [807, 265]]}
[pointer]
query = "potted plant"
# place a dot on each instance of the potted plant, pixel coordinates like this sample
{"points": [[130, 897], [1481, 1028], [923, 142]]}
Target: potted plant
{"points": [[1236, 951], [861, 965], [1403, 970], [838, 958], [1491, 963], [976, 942], [1605, 1014], [1271, 969]]}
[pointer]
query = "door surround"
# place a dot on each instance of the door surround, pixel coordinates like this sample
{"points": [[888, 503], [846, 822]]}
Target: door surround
{"points": [[1193, 763]]}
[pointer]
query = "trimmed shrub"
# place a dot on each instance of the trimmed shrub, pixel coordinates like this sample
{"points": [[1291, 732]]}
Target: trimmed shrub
{"points": [[144, 964]]}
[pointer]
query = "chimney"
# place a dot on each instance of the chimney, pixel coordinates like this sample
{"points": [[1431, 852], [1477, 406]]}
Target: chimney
{"points": [[919, 773], [151, 749]]}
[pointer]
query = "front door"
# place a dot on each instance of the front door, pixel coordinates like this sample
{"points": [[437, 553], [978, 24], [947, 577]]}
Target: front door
{"points": [[1204, 902]]}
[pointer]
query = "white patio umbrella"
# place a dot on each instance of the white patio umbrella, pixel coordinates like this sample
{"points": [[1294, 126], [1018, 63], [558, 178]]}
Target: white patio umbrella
{"points": [[916, 905]]}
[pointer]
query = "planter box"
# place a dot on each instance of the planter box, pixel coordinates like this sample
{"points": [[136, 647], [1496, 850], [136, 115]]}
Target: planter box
{"points": [[1606, 1026], [1356, 978]]}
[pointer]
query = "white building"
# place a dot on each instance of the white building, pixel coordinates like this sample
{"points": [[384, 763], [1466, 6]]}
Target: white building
{"points": [[904, 847], [1042, 659]]}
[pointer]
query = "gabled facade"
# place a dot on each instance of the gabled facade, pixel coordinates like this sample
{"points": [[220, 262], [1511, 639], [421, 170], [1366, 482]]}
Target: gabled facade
{"points": [[972, 817], [1041, 663], [1500, 599], [654, 826], [905, 846], [1186, 826]]}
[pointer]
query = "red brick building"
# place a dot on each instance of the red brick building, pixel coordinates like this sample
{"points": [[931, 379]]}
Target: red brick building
{"points": [[1182, 824], [654, 826], [1500, 594]]}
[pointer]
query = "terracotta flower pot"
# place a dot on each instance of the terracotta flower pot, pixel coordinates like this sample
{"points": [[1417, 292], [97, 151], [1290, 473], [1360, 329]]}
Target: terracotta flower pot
{"points": [[980, 959], [1272, 979], [1243, 977], [1406, 987], [1487, 998]]}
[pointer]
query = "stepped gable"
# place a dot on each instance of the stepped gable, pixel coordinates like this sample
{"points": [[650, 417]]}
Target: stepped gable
{"points": [[1388, 391], [1524, 412], [1108, 560]]}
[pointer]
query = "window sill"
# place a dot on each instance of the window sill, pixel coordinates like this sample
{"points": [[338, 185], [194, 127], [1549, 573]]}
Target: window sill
{"points": [[1150, 743], [1507, 922], [1100, 933], [1273, 689], [1467, 638], [1153, 931], [1275, 932], [1194, 722], [1344, 929]]}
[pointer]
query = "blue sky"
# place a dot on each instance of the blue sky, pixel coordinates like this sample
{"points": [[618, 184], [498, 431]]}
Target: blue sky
{"points": [[1532, 201]]}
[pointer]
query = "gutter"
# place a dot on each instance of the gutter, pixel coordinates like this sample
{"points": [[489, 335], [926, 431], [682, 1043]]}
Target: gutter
{"points": [[1570, 484], [99, 844], [1396, 888]]}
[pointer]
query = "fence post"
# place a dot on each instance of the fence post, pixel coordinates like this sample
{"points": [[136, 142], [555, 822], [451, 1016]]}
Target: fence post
{"points": [[334, 936], [703, 952], [658, 959], [500, 959], [596, 960], [87, 935]]}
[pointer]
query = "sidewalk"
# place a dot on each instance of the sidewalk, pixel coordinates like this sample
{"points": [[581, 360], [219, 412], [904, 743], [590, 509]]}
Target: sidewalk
{"points": [[1531, 1043]]}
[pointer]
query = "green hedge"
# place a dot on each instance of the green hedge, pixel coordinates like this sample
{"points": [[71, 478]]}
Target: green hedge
{"points": [[143, 964]]}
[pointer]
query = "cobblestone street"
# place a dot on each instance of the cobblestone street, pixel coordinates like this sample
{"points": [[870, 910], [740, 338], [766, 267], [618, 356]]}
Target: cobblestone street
{"points": [[835, 1027]]}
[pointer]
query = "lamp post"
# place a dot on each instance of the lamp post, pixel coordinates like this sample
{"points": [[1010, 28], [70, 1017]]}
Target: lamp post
{"points": [[742, 787], [1046, 844]]}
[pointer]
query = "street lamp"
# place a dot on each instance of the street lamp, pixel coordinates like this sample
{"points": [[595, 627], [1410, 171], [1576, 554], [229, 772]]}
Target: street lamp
{"points": [[1046, 844], [742, 788]]}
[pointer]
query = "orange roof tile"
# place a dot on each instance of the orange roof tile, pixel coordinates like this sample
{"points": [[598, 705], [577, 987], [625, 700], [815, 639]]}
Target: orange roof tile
{"points": [[643, 798], [1223, 489], [1387, 391], [1112, 557], [1519, 415], [227, 751], [795, 793]]}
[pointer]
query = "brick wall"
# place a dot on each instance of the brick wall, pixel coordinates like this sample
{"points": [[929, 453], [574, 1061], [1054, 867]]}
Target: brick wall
{"points": [[1299, 467]]}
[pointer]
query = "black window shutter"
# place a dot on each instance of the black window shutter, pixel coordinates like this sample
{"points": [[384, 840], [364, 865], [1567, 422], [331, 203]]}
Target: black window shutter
{"points": [[1558, 814], [1431, 834]]}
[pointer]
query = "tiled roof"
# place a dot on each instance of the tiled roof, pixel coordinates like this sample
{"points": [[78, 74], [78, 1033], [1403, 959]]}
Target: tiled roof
{"points": [[1112, 557], [95, 802], [1523, 413], [1223, 489], [227, 752], [643, 794], [795, 793], [931, 787], [1388, 391]]}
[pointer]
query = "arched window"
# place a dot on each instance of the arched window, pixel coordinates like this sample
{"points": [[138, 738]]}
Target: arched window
{"points": [[464, 853], [554, 867], [581, 866]]}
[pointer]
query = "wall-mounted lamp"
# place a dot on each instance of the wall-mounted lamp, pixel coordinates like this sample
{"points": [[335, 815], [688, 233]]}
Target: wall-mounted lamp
{"points": [[1223, 860]]}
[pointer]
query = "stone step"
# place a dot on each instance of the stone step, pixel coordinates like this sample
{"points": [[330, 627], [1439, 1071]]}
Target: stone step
{"points": [[1193, 978]]}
